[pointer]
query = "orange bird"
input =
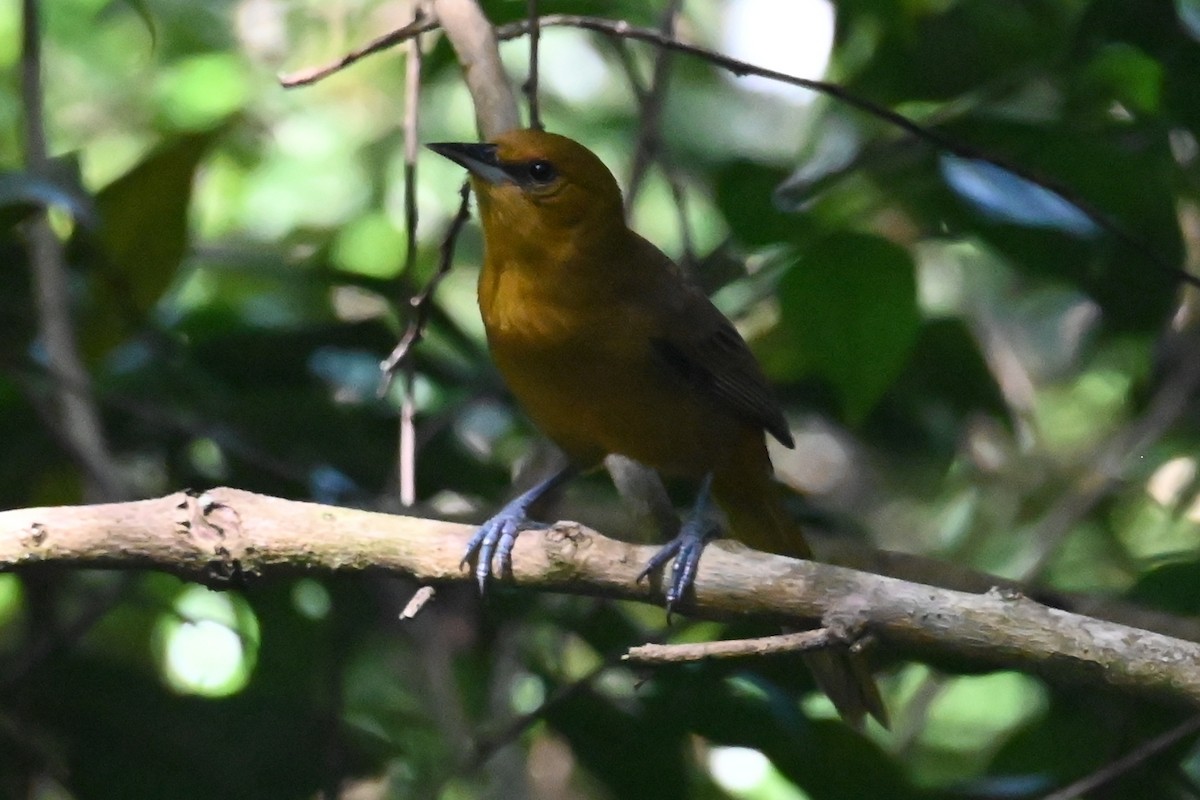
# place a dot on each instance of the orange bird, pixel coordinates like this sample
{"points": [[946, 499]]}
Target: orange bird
{"points": [[610, 349]]}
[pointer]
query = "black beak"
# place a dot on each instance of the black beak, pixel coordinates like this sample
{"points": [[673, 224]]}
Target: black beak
{"points": [[480, 160]]}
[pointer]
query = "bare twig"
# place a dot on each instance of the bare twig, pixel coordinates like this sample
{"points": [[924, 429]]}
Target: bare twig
{"points": [[924, 133], [31, 85], [422, 302], [417, 602], [1132, 760], [78, 417], [800, 642], [619, 28], [486, 746], [531, 83], [648, 148], [474, 41], [651, 101], [310, 75], [496, 110], [412, 95]]}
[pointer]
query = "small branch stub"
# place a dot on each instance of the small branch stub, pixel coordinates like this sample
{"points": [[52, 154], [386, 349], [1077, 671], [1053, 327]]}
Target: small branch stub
{"points": [[417, 602]]}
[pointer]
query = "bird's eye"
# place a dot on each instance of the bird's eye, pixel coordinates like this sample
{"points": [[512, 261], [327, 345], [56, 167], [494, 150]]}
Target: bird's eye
{"points": [[542, 171]]}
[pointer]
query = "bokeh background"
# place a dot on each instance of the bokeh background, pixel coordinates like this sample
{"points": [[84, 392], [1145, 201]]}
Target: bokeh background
{"points": [[978, 370]]}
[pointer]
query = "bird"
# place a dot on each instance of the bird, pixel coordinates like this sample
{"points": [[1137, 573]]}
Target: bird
{"points": [[610, 349]]}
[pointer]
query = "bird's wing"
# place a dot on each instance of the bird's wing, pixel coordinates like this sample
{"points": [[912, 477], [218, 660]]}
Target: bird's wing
{"points": [[697, 342]]}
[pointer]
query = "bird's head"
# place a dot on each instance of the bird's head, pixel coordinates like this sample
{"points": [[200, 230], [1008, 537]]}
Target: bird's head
{"points": [[538, 183]]}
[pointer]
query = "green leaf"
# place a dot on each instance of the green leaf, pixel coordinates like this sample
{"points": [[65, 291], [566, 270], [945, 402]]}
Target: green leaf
{"points": [[850, 306], [159, 744], [745, 710], [944, 382], [1125, 74], [142, 10], [1128, 274], [1170, 587], [957, 48], [144, 235], [744, 195]]}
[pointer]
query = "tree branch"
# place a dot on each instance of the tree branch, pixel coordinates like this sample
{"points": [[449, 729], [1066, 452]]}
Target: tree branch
{"points": [[530, 87], [76, 412], [803, 641], [474, 42], [228, 536], [481, 76]]}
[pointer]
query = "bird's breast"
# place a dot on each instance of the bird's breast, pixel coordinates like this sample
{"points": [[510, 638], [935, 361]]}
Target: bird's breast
{"points": [[587, 375]]}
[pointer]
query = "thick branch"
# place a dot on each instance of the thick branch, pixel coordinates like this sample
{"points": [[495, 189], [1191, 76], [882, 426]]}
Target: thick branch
{"points": [[474, 42], [228, 535]]}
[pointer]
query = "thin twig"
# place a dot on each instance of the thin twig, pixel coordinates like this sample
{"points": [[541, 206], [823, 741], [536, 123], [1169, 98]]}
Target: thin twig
{"points": [[648, 146], [799, 642], [412, 96], [531, 83], [408, 431], [651, 102], [1132, 760], [486, 747], [622, 29], [76, 409], [1105, 470], [941, 141], [31, 85], [310, 75], [421, 303], [916, 129], [906, 732], [418, 601]]}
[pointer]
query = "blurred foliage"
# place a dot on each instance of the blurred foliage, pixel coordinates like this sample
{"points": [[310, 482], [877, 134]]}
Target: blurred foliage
{"points": [[963, 353]]}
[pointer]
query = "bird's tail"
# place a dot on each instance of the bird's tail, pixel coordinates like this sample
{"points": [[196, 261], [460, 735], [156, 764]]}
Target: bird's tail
{"points": [[757, 515]]}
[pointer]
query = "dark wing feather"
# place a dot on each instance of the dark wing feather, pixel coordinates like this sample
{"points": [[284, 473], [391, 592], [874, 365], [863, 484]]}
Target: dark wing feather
{"points": [[708, 352]]}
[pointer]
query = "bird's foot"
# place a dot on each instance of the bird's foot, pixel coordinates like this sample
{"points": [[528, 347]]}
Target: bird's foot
{"points": [[496, 537], [686, 549]]}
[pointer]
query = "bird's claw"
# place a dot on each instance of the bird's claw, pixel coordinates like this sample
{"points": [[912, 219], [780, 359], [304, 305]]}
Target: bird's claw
{"points": [[495, 537], [685, 551], [498, 535], [683, 571], [656, 562]]}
